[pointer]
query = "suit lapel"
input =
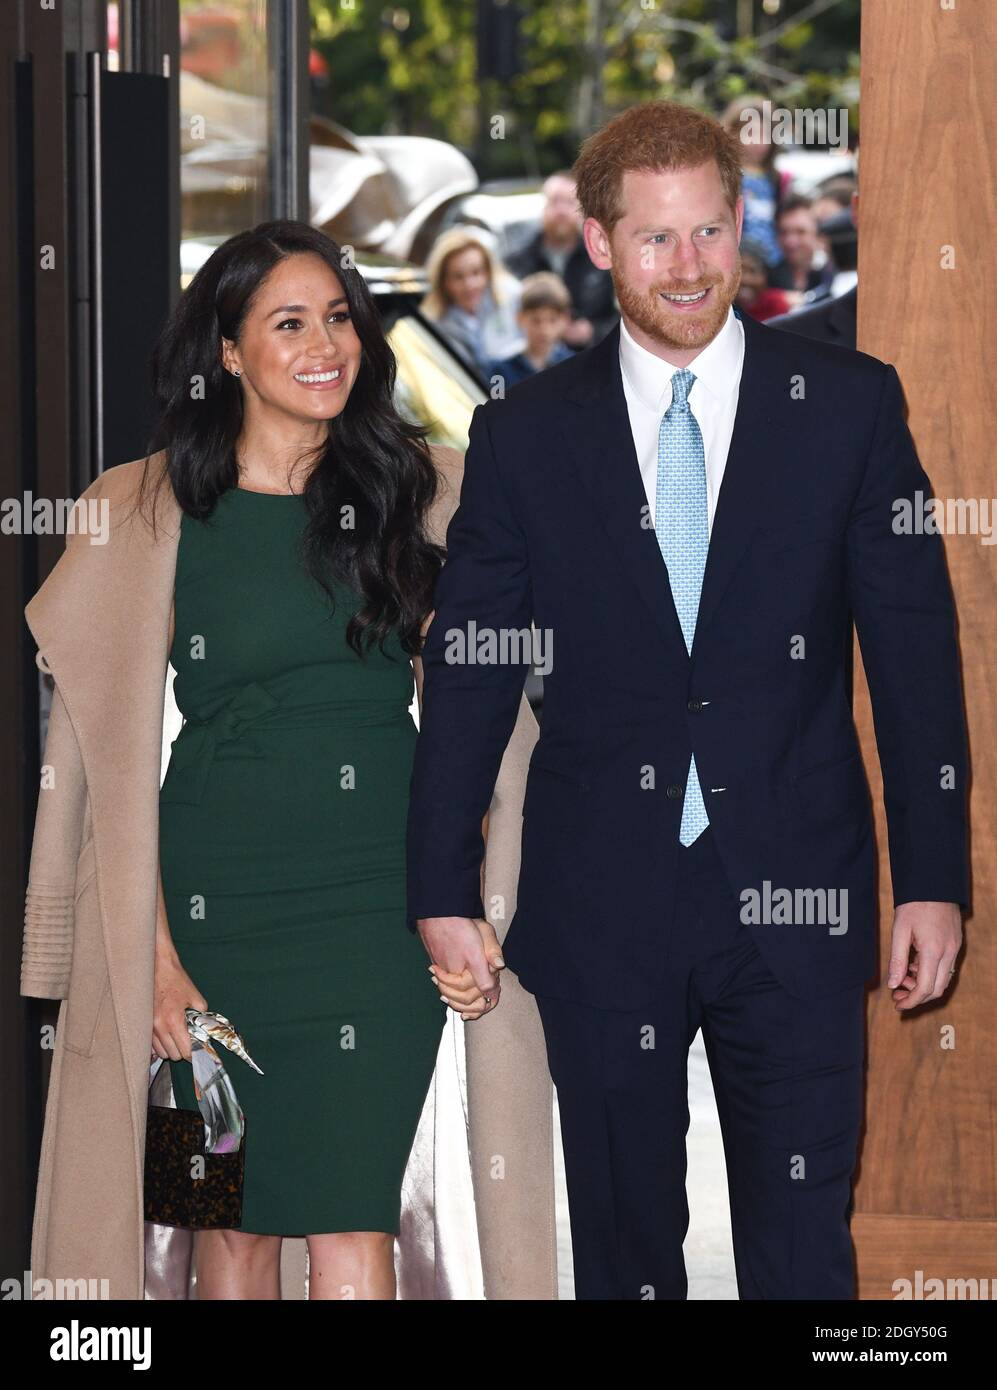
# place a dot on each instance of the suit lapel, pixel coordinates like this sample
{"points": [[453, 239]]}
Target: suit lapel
{"points": [[743, 500], [601, 454]]}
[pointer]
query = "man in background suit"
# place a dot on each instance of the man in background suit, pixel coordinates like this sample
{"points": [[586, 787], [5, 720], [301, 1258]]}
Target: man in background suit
{"points": [[831, 320], [558, 247], [687, 512]]}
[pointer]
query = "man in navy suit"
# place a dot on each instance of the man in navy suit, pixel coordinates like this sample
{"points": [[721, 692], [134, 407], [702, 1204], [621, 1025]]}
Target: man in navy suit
{"points": [[686, 513]]}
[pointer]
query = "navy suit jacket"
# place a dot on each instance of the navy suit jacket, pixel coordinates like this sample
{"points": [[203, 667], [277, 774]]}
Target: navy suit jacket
{"points": [[552, 528], [831, 320]]}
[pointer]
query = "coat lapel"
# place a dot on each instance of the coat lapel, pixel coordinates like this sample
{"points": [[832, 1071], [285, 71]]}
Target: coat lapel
{"points": [[101, 622], [601, 454], [742, 502]]}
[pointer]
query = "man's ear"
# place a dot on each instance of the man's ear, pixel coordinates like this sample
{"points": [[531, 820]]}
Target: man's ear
{"points": [[597, 243]]}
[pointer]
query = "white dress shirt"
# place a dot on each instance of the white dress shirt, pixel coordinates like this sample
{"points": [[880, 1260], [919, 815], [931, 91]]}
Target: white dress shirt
{"points": [[647, 384]]}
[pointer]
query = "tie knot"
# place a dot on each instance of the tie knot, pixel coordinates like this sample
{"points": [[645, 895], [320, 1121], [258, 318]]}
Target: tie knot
{"points": [[681, 386]]}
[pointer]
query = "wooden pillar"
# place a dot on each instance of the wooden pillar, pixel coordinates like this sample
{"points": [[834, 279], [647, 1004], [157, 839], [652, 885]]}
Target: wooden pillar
{"points": [[926, 1197]]}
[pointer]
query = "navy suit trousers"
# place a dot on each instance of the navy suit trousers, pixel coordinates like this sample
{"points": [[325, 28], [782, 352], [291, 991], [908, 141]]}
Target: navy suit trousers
{"points": [[787, 1074]]}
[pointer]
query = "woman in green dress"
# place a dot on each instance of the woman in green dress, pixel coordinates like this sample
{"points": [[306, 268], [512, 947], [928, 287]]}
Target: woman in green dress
{"points": [[304, 580]]}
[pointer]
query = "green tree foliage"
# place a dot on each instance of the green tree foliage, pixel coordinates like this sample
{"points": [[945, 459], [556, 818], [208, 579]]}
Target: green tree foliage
{"points": [[412, 68]]}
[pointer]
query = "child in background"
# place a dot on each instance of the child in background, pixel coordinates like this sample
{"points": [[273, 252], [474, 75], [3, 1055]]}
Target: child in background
{"points": [[756, 297], [762, 185], [544, 312]]}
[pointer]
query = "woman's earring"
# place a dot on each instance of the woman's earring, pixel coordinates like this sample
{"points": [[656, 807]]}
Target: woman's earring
{"points": [[237, 372]]}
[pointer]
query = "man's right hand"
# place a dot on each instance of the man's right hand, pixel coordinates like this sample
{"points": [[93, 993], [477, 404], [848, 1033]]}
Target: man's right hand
{"points": [[457, 944]]}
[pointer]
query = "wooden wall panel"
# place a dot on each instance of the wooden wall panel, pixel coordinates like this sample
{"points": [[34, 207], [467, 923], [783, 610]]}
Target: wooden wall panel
{"points": [[926, 1196]]}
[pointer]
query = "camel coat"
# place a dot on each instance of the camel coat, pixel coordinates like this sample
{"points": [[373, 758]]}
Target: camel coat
{"points": [[102, 623]]}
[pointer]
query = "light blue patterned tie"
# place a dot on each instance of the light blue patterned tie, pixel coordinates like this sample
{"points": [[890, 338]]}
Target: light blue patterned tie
{"points": [[681, 524]]}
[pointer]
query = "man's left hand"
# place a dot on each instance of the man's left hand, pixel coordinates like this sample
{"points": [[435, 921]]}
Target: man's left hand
{"points": [[934, 930]]}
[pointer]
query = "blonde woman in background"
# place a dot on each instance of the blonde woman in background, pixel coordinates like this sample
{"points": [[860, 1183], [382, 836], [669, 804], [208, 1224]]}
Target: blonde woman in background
{"points": [[473, 299]]}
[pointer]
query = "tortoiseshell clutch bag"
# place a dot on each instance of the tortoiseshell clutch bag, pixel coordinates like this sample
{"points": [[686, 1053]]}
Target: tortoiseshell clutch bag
{"points": [[195, 1161]]}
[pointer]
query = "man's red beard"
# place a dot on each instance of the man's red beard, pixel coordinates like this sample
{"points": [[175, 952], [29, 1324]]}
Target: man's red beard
{"points": [[677, 328]]}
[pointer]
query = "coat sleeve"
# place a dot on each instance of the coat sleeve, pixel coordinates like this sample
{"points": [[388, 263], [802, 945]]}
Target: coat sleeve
{"points": [[62, 822], [505, 812], [47, 951], [906, 621], [471, 706]]}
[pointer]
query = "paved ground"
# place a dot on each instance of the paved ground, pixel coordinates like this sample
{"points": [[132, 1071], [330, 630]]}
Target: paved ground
{"points": [[709, 1257]]}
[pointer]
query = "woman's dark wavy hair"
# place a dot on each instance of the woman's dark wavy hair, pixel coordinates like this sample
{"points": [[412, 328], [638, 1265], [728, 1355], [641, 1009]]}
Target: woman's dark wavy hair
{"points": [[372, 461]]}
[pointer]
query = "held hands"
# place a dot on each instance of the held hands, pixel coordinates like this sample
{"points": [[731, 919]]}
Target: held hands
{"points": [[935, 932], [466, 960], [173, 992]]}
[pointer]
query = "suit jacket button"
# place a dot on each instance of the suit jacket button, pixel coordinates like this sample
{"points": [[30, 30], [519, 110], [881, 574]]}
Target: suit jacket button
{"points": [[694, 706], [674, 791]]}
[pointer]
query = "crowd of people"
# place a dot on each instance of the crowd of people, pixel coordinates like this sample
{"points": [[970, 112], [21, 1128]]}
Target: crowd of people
{"points": [[508, 320]]}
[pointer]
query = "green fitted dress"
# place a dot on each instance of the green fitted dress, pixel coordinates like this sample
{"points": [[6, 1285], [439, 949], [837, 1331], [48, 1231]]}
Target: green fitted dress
{"points": [[282, 849]]}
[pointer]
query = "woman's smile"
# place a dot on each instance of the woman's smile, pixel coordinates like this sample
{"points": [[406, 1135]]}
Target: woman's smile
{"points": [[325, 379]]}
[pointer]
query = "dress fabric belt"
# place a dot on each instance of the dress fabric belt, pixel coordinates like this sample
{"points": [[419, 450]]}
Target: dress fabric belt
{"points": [[194, 748]]}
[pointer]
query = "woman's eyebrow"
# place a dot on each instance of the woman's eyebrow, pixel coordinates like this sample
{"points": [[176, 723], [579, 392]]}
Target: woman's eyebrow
{"points": [[301, 308]]}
